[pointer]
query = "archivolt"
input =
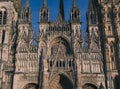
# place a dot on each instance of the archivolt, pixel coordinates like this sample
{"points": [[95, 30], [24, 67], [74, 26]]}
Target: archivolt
{"points": [[65, 43]]}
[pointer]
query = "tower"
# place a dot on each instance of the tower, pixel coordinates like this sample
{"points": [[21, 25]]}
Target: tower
{"points": [[44, 17], [110, 42], [76, 25], [42, 46], [27, 15], [44, 13], [18, 6], [93, 24], [75, 13], [7, 43], [26, 63]]}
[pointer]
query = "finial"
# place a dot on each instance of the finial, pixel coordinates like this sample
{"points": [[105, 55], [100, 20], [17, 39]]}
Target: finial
{"points": [[27, 3], [74, 3], [44, 3], [90, 5]]}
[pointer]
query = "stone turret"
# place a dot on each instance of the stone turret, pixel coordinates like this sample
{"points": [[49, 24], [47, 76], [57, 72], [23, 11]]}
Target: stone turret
{"points": [[75, 13], [92, 24], [44, 13], [27, 15]]}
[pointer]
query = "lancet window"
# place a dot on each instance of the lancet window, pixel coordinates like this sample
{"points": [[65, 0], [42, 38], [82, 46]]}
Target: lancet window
{"points": [[3, 16]]}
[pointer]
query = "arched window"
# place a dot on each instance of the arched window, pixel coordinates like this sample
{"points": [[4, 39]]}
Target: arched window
{"points": [[116, 82], [113, 63], [109, 14], [3, 16], [110, 31], [91, 18], [75, 16], [101, 86], [44, 15], [111, 48], [26, 17]]}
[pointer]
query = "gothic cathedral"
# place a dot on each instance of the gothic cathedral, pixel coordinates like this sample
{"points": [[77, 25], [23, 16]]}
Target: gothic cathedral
{"points": [[61, 57]]}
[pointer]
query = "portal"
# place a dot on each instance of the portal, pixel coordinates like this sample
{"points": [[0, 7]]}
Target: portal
{"points": [[89, 86], [61, 82], [31, 86]]}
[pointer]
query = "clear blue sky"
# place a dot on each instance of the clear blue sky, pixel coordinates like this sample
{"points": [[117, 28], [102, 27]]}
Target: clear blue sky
{"points": [[53, 6]]}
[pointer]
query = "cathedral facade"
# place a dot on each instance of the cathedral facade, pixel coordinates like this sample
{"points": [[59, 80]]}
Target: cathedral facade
{"points": [[60, 57]]}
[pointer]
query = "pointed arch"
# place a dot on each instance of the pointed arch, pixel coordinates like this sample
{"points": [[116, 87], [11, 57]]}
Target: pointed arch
{"points": [[3, 15], [61, 42], [60, 81], [108, 14], [112, 47], [116, 82], [31, 86], [89, 86], [44, 14]]}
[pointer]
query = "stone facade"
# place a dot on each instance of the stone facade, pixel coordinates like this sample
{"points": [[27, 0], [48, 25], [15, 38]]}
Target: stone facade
{"points": [[60, 57]]}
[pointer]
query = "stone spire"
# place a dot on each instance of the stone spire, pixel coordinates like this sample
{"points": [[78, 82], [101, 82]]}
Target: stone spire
{"points": [[44, 12], [91, 5], [27, 3], [61, 15], [44, 3], [74, 3], [18, 6], [75, 13], [92, 14], [27, 12]]}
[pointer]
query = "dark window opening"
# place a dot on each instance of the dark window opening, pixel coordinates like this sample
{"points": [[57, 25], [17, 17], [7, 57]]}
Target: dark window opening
{"points": [[109, 16], [119, 15], [51, 63], [113, 63], [3, 36], [111, 48], [89, 86], [5, 17], [75, 15], [60, 63], [0, 17], [26, 18], [45, 16], [109, 28], [116, 82], [63, 63], [91, 18], [57, 64], [70, 63]]}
